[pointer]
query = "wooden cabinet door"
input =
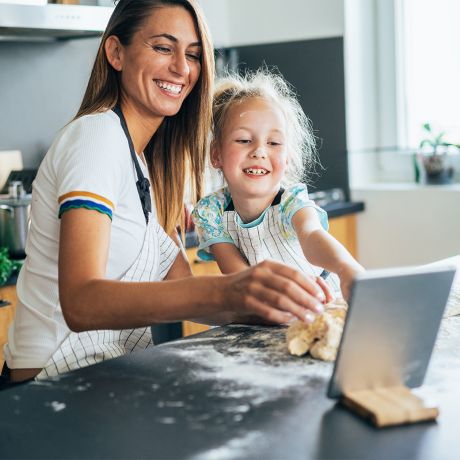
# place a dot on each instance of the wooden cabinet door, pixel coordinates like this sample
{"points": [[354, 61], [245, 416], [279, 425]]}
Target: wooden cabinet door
{"points": [[343, 228], [199, 268], [6, 315]]}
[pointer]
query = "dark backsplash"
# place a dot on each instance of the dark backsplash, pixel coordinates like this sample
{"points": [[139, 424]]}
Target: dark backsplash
{"points": [[315, 69]]}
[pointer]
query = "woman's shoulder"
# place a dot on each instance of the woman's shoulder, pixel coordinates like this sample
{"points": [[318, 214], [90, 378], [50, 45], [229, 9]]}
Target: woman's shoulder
{"points": [[90, 135], [90, 142], [95, 125]]}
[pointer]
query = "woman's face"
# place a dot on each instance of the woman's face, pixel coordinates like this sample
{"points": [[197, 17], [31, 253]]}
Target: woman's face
{"points": [[161, 65]]}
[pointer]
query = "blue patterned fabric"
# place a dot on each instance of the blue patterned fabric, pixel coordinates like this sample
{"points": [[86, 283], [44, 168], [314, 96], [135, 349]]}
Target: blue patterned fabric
{"points": [[211, 223]]}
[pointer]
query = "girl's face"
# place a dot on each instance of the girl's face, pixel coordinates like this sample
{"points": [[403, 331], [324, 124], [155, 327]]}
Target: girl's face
{"points": [[252, 150], [161, 65]]}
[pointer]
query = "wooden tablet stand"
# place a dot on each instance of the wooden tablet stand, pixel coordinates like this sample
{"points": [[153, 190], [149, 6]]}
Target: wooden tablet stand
{"points": [[389, 406]]}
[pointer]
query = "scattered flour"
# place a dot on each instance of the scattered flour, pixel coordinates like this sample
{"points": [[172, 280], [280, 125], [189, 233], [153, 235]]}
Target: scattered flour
{"points": [[235, 448], [57, 406], [453, 303], [247, 372]]}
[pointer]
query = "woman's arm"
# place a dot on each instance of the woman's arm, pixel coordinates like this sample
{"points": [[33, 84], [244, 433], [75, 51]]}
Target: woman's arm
{"points": [[271, 291], [323, 250], [229, 258]]}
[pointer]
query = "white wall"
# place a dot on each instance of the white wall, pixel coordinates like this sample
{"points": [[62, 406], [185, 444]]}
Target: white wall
{"points": [[407, 224], [249, 22], [217, 16]]}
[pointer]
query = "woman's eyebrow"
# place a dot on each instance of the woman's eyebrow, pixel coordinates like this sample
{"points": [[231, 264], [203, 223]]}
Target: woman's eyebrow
{"points": [[173, 39]]}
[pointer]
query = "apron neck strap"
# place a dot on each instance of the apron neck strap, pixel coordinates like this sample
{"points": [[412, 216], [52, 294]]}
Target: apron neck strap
{"points": [[142, 183]]}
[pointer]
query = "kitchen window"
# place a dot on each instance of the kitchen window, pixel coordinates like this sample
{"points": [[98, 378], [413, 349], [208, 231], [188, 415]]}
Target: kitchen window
{"points": [[402, 67], [428, 67]]}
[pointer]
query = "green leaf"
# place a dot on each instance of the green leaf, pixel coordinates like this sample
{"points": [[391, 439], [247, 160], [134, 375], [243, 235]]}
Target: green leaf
{"points": [[7, 266], [427, 127]]}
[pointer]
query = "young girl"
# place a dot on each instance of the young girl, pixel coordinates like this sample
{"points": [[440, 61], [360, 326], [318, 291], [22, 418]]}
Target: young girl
{"points": [[262, 141]]}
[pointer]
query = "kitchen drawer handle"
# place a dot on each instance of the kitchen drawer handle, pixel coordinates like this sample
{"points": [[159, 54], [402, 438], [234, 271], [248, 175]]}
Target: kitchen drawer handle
{"points": [[4, 303]]}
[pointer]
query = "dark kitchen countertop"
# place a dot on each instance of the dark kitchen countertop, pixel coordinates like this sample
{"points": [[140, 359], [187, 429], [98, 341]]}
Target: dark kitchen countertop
{"points": [[230, 393], [343, 208]]}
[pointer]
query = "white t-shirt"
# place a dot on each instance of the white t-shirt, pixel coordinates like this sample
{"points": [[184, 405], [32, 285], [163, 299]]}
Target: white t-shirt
{"points": [[89, 165]]}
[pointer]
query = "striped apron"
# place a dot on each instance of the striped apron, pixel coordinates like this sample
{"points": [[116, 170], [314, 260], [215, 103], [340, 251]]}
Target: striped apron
{"points": [[90, 347], [266, 241]]}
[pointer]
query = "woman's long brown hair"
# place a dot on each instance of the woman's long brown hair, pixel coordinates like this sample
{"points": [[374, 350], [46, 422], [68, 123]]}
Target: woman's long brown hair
{"points": [[176, 154]]}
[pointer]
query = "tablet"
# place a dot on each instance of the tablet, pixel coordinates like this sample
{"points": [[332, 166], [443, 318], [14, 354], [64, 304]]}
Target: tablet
{"points": [[391, 327]]}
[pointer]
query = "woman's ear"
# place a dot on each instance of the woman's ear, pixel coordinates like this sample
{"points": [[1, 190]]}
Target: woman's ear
{"points": [[215, 156], [114, 52]]}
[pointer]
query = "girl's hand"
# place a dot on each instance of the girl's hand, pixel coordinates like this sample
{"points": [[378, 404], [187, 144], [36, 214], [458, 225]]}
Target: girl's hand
{"points": [[346, 275], [326, 289], [275, 293]]}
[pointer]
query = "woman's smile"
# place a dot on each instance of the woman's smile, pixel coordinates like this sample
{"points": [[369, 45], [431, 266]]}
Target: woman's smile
{"points": [[169, 88]]}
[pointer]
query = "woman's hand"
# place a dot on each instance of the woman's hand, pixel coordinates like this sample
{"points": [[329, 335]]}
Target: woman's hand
{"points": [[275, 293]]}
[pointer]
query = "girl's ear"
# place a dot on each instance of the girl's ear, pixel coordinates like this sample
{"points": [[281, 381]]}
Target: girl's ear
{"points": [[215, 156], [114, 52]]}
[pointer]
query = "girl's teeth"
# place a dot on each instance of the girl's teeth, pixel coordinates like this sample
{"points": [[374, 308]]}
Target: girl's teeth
{"points": [[257, 172]]}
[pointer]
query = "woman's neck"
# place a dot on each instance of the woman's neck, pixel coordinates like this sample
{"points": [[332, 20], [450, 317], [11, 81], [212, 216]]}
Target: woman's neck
{"points": [[140, 125], [250, 209]]}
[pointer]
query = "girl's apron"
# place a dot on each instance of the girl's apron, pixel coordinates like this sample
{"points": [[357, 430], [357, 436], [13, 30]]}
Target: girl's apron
{"points": [[267, 241], [152, 264]]}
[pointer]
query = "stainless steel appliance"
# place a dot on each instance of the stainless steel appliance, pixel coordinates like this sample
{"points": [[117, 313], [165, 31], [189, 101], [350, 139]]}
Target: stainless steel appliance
{"points": [[14, 220], [52, 21]]}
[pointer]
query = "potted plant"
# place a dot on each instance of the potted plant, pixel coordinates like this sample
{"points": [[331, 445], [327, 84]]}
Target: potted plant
{"points": [[433, 153], [7, 266]]}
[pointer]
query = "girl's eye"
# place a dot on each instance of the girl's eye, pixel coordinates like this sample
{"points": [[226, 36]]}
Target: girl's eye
{"points": [[162, 49], [273, 143], [243, 141]]}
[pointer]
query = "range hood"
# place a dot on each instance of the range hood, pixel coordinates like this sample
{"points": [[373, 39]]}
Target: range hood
{"points": [[52, 21]]}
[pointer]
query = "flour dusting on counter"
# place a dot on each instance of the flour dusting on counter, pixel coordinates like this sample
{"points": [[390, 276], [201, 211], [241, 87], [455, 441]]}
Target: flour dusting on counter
{"points": [[57, 406], [236, 448], [257, 367]]}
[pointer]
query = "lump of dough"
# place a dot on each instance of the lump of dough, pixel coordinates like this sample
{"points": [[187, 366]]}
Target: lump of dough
{"points": [[300, 335], [326, 348], [322, 337]]}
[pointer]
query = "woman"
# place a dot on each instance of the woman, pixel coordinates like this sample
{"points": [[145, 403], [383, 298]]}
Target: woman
{"points": [[99, 244]]}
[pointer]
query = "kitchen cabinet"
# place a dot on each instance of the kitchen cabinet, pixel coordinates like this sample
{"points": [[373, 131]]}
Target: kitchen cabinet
{"points": [[343, 228], [199, 268], [6, 315]]}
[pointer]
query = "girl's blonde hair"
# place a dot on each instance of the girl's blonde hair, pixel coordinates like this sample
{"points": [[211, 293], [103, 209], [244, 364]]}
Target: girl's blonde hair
{"points": [[177, 151], [263, 83]]}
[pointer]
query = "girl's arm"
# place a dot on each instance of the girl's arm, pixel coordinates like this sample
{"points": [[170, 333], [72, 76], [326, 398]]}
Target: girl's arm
{"points": [[89, 301], [323, 250], [229, 258]]}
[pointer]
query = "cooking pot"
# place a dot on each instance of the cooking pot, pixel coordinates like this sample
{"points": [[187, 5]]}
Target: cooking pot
{"points": [[14, 224]]}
